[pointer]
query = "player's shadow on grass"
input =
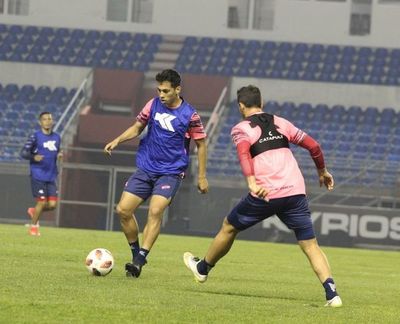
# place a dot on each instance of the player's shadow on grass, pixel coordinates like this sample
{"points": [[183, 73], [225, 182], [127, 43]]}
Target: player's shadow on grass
{"points": [[230, 293]]}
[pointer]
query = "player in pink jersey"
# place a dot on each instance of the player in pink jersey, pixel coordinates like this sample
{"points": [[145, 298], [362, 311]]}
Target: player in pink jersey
{"points": [[276, 187]]}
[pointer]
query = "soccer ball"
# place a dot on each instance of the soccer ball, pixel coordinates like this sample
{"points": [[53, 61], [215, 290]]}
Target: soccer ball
{"points": [[99, 262]]}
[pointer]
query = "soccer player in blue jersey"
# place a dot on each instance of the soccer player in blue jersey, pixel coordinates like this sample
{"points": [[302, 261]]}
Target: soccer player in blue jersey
{"points": [[42, 149], [162, 158]]}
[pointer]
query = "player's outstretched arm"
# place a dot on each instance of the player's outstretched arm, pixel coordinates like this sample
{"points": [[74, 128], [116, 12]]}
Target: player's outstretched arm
{"points": [[202, 182], [132, 132]]}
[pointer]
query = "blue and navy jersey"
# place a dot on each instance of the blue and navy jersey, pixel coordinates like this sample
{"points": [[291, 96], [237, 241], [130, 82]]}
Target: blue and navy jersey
{"points": [[165, 148], [49, 147]]}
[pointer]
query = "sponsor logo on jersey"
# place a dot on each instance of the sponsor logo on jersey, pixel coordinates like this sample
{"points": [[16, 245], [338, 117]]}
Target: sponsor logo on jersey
{"points": [[270, 137], [165, 121], [50, 145]]}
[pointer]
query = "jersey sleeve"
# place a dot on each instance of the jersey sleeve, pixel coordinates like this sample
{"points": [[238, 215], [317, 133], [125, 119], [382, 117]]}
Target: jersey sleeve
{"points": [[239, 134], [294, 135], [27, 151], [242, 141], [144, 115], [196, 128]]}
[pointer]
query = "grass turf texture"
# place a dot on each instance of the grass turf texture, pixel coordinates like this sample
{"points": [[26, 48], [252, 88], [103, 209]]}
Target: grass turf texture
{"points": [[44, 280]]}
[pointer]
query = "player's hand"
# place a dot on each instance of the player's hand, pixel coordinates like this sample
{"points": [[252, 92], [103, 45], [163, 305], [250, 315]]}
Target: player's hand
{"points": [[202, 185], [326, 179], [259, 191], [110, 146], [60, 155], [38, 157]]}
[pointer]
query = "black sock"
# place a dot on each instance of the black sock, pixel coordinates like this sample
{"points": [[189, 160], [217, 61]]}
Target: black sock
{"points": [[135, 247], [203, 267], [140, 258], [330, 288]]}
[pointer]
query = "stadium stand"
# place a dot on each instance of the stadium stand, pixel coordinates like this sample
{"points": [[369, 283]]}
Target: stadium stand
{"points": [[78, 47], [19, 109], [203, 55], [293, 61]]}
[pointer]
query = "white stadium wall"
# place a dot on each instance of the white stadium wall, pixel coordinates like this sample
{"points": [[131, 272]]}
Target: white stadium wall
{"points": [[323, 92], [42, 74], [309, 21]]}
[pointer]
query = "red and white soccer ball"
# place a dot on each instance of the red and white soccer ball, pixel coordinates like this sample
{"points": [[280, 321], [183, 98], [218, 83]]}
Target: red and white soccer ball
{"points": [[99, 262]]}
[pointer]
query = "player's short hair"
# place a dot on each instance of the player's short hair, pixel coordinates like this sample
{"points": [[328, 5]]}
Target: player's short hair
{"points": [[169, 75], [44, 113], [250, 96]]}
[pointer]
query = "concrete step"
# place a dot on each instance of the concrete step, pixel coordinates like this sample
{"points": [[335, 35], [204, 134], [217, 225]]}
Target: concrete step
{"points": [[170, 47], [163, 56], [173, 39]]}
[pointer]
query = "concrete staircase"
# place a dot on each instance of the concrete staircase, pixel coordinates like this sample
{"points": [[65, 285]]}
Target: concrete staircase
{"points": [[168, 52]]}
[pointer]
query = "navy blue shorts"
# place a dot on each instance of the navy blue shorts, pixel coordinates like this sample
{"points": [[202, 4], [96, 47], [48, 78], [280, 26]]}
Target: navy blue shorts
{"points": [[293, 211], [144, 184], [43, 190]]}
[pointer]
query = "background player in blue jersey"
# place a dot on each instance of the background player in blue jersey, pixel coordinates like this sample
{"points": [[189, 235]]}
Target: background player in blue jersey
{"points": [[42, 149], [161, 161]]}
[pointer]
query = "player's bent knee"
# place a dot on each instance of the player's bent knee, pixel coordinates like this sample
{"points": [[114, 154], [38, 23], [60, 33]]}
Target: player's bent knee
{"points": [[51, 205], [228, 228], [123, 212], [156, 211]]}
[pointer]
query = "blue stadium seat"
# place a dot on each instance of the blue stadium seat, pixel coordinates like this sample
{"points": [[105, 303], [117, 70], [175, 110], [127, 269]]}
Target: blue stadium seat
{"points": [[325, 77], [253, 45], [93, 35], [299, 57], [78, 34], [285, 47], [46, 32], [140, 37], [26, 40], [333, 50], [109, 36], [300, 48], [42, 41], [342, 78], [120, 46], [364, 51], [104, 45], [212, 69], [331, 59], [190, 40], [124, 37], [357, 78], [317, 48], [373, 79], [61, 33], [381, 52], [269, 46], [73, 43], [10, 39], [349, 51], [347, 60], [15, 29], [292, 75], [379, 61], [392, 81], [206, 42], [155, 38]]}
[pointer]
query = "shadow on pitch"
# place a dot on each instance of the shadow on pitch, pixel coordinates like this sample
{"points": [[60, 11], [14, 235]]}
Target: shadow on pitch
{"points": [[240, 294]]}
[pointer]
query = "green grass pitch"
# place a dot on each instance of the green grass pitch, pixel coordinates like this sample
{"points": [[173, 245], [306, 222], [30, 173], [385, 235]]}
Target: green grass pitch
{"points": [[44, 280]]}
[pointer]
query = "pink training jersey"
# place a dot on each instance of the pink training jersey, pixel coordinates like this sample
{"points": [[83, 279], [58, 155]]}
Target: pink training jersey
{"points": [[275, 169]]}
